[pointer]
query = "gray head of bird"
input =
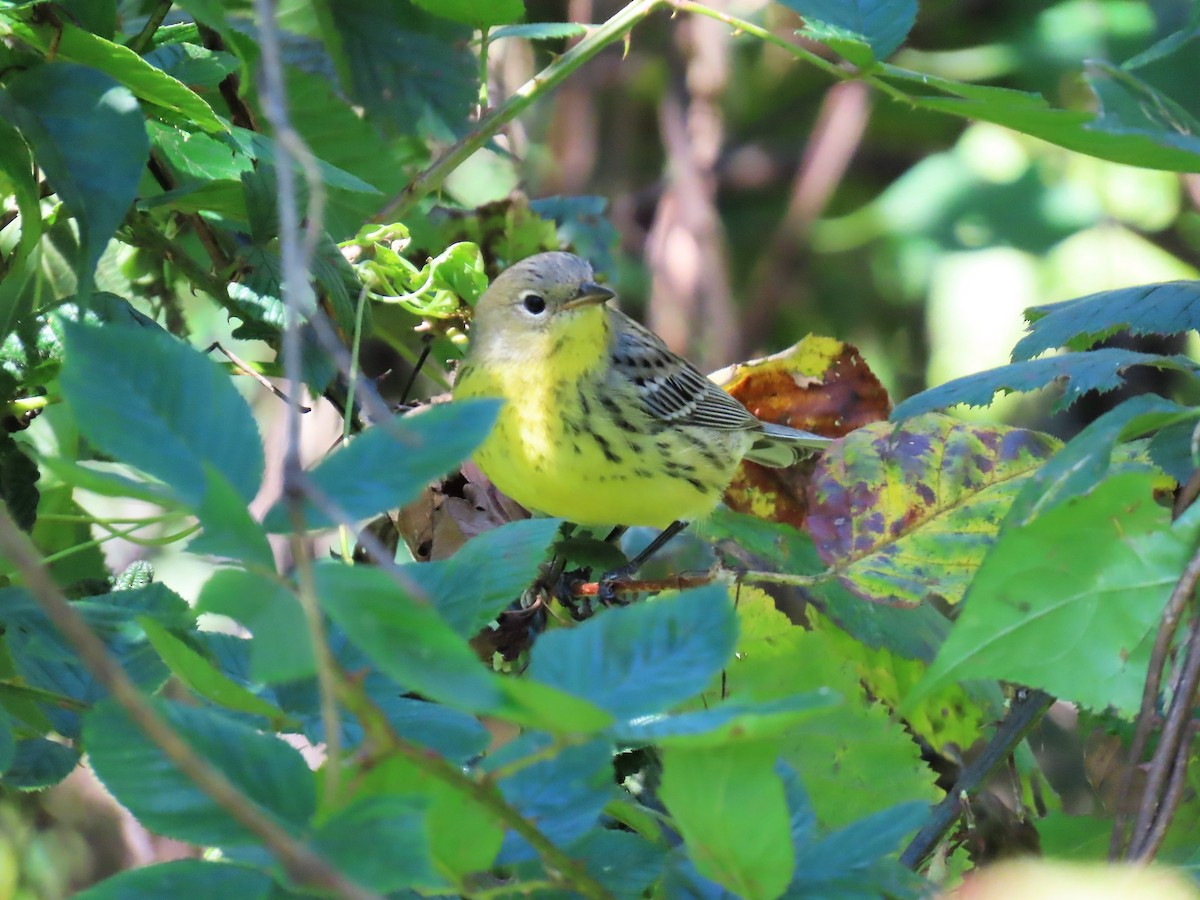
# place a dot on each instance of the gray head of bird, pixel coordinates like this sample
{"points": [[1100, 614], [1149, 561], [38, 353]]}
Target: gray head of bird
{"points": [[540, 297]]}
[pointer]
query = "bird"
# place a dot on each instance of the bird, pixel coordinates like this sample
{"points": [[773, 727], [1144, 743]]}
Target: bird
{"points": [[601, 423]]}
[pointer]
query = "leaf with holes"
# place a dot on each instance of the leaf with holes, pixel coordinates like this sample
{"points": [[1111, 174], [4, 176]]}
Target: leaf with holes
{"points": [[905, 512]]}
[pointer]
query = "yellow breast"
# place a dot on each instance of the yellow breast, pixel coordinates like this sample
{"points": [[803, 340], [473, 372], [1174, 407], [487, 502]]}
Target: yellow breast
{"points": [[559, 448]]}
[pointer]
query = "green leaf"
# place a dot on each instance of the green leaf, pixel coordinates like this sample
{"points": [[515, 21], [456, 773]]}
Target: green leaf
{"points": [[1130, 106], [583, 226], [904, 512], [67, 43], [341, 136], [282, 648], [464, 835], [880, 24], [539, 31], [415, 70], [459, 269], [1168, 308], [1067, 602], [476, 13], [262, 148], [1031, 114], [626, 864], [39, 763], [229, 531], [353, 837], [842, 862], [192, 64], [46, 661], [449, 733], [269, 774], [183, 879], [729, 722], [388, 465], [8, 743], [152, 401], [913, 634], [1172, 450], [198, 155], [198, 674], [855, 756], [486, 574], [1100, 370], [411, 643], [100, 478], [89, 137], [564, 794], [729, 805], [1087, 458], [643, 659]]}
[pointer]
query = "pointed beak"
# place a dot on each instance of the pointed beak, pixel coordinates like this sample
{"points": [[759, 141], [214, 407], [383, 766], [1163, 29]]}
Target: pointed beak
{"points": [[589, 294]]}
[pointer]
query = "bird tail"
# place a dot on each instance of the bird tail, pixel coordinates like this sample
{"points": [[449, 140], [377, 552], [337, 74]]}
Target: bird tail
{"points": [[778, 446]]}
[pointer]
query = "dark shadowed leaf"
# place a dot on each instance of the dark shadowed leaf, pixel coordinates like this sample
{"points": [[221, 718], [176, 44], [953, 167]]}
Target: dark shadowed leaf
{"points": [[643, 659], [487, 573], [268, 772], [184, 879], [89, 137], [564, 795], [380, 842], [880, 24]]}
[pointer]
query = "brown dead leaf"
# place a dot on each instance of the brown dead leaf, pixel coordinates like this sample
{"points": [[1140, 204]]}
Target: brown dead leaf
{"points": [[821, 385], [451, 512]]}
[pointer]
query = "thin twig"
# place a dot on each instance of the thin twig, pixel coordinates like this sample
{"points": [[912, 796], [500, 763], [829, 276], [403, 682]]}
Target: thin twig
{"points": [[1173, 741], [1023, 714], [296, 256], [431, 177], [140, 41], [249, 370], [1170, 801], [301, 864], [1184, 590], [762, 34]]}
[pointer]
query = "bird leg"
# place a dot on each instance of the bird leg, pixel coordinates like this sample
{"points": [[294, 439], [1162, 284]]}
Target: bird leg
{"points": [[607, 594]]}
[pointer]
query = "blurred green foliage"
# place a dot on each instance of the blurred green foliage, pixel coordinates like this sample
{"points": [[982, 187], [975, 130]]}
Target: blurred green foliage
{"points": [[924, 182]]}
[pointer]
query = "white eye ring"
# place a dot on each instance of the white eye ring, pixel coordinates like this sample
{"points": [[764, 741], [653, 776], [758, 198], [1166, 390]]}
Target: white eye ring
{"points": [[533, 303]]}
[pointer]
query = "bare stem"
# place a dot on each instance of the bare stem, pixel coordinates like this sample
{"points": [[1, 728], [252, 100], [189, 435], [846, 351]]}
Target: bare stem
{"points": [[296, 253], [1184, 590], [1023, 714]]}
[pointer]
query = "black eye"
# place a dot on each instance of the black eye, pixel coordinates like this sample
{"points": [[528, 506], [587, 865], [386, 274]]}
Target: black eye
{"points": [[534, 303]]}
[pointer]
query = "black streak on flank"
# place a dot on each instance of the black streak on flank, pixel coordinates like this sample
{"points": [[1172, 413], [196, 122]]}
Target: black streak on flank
{"points": [[618, 415], [583, 402], [606, 448]]}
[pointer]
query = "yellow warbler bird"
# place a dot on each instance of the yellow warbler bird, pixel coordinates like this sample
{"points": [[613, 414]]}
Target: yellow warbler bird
{"points": [[602, 424]]}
